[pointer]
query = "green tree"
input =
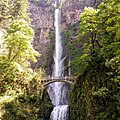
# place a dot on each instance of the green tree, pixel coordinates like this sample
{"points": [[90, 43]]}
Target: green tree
{"points": [[99, 32], [19, 34], [18, 42], [88, 29], [89, 37], [13, 9], [109, 25]]}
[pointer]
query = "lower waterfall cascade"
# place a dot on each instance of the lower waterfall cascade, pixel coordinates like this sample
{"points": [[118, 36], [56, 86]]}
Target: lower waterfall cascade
{"points": [[59, 113]]}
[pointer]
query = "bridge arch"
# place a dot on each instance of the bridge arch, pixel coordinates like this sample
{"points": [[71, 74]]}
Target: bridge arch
{"points": [[49, 80], [53, 81]]}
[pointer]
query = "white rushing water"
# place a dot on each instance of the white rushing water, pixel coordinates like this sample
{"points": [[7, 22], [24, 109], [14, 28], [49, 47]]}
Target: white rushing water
{"points": [[58, 67], [58, 91], [59, 113]]}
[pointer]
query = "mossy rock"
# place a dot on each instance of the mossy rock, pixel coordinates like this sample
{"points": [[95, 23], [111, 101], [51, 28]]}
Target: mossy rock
{"points": [[46, 106], [95, 96]]}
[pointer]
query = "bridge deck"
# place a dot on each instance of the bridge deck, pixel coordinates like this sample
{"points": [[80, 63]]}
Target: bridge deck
{"points": [[49, 80]]}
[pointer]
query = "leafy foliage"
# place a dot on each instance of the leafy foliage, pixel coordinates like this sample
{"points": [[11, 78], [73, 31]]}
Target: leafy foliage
{"points": [[18, 42], [20, 87], [96, 93], [13, 9], [20, 91]]}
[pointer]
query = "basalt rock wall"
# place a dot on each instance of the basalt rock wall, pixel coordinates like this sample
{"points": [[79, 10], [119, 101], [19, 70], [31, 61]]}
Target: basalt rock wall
{"points": [[42, 15]]}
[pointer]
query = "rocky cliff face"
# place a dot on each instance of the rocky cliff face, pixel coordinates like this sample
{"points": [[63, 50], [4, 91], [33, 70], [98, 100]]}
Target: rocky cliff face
{"points": [[42, 15], [42, 22]]}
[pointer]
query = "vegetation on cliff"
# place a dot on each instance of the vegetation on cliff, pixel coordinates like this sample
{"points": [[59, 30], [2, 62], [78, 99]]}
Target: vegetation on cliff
{"points": [[96, 94]]}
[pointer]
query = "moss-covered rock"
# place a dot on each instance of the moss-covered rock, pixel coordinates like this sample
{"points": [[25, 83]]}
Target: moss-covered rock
{"points": [[46, 106], [95, 96]]}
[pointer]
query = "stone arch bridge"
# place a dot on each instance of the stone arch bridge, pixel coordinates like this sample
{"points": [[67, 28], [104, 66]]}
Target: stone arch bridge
{"points": [[66, 79]]}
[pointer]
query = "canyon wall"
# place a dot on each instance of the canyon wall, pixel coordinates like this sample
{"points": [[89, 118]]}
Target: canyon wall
{"points": [[42, 15]]}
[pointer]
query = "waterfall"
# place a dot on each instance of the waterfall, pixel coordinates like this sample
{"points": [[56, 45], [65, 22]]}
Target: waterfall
{"points": [[58, 67], [58, 91]]}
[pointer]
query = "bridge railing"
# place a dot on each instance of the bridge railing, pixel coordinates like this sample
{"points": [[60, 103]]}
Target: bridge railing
{"points": [[67, 78]]}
